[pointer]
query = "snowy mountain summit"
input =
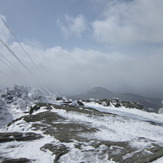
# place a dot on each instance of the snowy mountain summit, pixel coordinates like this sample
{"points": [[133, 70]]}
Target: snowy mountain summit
{"points": [[36, 128]]}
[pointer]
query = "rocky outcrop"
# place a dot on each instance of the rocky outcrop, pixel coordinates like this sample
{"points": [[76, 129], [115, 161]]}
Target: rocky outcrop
{"points": [[67, 131], [58, 150], [76, 103], [18, 160], [118, 103], [18, 136], [149, 104]]}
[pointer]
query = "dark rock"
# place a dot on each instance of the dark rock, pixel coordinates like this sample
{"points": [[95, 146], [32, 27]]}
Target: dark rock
{"points": [[147, 155], [58, 150], [76, 103], [80, 103], [46, 117], [38, 106], [59, 98], [132, 104], [12, 136], [69, 131], [52, 124], [105, 102], [117, 105], [18, 160]]}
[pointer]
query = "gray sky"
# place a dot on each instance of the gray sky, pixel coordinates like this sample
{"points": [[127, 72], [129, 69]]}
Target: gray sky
{"points": [[80, 44]]}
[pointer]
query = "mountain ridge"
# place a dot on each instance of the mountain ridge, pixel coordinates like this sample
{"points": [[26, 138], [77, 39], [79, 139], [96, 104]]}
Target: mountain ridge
{"points": [[103, 93]]}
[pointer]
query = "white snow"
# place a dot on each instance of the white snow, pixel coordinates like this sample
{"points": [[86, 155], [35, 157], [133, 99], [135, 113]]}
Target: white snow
{"points": [[160, 160], [88, 157], [128, 112], [28, 149], [125, 124], [36, 95], [117, 128], [5, 115]]}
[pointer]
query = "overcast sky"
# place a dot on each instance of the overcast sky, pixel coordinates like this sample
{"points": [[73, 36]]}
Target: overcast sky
{"points": [[80, 44]]}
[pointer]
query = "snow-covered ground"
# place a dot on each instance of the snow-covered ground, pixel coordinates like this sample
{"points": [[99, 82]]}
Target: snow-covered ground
{"points": [[130, 113], [30, 150], [141, 130]]}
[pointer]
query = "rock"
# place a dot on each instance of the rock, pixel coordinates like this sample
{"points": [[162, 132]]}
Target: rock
{"points": [[38, 106], [51, 123], [147, 155], [58, 150], [117, 105], [18, 160], [132, 104], [18, 136], [59, 98], [104, 102], [76, 103]]}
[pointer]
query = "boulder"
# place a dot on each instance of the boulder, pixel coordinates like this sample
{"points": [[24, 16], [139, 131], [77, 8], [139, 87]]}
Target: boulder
{"points": [[76, 103]]}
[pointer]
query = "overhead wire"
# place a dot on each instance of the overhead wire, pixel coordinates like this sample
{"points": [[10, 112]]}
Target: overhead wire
{"points": [[10, 65], [6, 59], [3, 62], [15, 56], [18, 59], [6, 76], [18, 42], [10, 30]]}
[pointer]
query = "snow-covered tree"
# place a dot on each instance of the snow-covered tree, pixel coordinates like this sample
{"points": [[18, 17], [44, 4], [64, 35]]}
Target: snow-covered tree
{"points": [[5, 116], [160, 111], [36, 95]]}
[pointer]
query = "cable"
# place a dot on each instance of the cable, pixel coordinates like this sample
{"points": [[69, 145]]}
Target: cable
{"points": [[10, 63], [25, 53], [15, 56], [3, 62], [6, 76], [10, 30], [18, 41]]}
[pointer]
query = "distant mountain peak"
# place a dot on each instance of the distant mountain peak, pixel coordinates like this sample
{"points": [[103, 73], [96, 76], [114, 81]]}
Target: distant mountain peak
{"points": [[103, 93], [99, 89]]}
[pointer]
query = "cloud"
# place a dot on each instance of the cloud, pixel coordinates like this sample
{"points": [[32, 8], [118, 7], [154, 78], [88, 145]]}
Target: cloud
{"points": [[77, 69], [73, 70], [73, 25], [4, 33], [129, 22]]}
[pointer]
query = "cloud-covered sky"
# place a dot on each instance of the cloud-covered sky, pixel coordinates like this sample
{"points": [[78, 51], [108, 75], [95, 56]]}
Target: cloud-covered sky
{"points": [[76, 45]]}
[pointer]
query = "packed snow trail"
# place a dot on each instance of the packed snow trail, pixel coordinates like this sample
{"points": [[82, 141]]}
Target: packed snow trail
{"points": [[127, 112]]}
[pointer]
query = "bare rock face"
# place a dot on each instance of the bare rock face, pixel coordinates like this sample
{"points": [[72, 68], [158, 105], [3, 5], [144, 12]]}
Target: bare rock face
{"points": [[18, 160], [18, 136], [58, 150]]}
